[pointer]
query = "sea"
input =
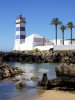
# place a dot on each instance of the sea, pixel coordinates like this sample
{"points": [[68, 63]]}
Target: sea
{"points": [[8, 90]]}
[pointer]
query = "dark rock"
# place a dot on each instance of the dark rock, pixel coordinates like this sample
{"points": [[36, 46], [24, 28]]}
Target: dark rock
{"points": [[65, 78], [19, 85], [44, 80], [39, 57]]}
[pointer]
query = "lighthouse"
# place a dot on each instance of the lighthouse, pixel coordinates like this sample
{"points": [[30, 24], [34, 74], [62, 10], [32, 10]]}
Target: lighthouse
{"points": [[20, 32], [31, 42]]}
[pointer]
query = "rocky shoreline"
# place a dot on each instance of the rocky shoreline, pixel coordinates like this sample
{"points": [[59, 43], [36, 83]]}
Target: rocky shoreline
{"points": [[65, 78], [7, 71], [65, 72], [39, 56]]}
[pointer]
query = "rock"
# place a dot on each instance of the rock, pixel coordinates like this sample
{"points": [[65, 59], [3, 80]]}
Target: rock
{"points": [[1, 76], [44, 80], [65, 70], [19, 85], [39, 57], [49, 84], [7, 71], [34, 78], [17, 71], [65, 78], [66, 73], [15, 80]]}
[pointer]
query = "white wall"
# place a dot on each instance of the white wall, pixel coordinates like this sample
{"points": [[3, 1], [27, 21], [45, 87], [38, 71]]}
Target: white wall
{"points": [[26, 46], [16, 47], [67, 42], [64, 47], [47, 47], [34, 41], [59, 42]]}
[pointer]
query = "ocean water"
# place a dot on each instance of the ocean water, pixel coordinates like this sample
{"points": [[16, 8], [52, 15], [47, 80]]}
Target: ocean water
{"points": [[8, 89]]}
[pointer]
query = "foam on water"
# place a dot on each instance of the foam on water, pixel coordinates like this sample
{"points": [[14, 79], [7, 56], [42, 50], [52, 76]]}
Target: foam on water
{"points": [[42, 70]]}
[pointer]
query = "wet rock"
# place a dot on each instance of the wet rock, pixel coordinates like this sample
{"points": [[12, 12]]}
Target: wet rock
{"points": [[44, 80], [19, 85], [15, 80]]}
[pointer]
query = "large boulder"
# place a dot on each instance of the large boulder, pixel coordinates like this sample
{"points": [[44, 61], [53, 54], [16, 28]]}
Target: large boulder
{"points": [[65, 70], [7, 71], [66, 73]]}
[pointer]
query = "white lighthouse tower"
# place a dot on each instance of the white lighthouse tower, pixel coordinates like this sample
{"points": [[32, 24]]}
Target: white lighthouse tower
{"points": [[20, 32]]}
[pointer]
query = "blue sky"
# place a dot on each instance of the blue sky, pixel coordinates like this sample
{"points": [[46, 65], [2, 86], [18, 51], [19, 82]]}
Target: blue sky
{"points": [[38, 14]]}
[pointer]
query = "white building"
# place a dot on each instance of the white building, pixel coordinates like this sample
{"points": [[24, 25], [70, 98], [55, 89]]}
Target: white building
{"points": [[31, 42], [59, 42], [67, 45], [36, 41], [68, 41]]}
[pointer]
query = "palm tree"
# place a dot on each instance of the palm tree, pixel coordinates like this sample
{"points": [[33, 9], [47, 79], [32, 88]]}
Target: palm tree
{"points": [[63, 28], [56, 22], [70, 25]]}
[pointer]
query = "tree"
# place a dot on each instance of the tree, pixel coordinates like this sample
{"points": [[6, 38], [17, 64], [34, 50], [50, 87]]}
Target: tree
{"points": [[70, 25], [56, 22], [63, 28]]}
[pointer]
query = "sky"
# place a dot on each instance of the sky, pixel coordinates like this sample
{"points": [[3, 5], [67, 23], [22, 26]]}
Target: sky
{"points": [[38, 15]]}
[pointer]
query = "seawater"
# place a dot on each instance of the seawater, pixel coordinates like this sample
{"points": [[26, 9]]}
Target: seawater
{"points": [[8, 90]]}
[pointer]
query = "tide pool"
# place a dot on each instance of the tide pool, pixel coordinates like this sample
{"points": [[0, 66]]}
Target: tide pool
{"points": [[8, 90]]}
